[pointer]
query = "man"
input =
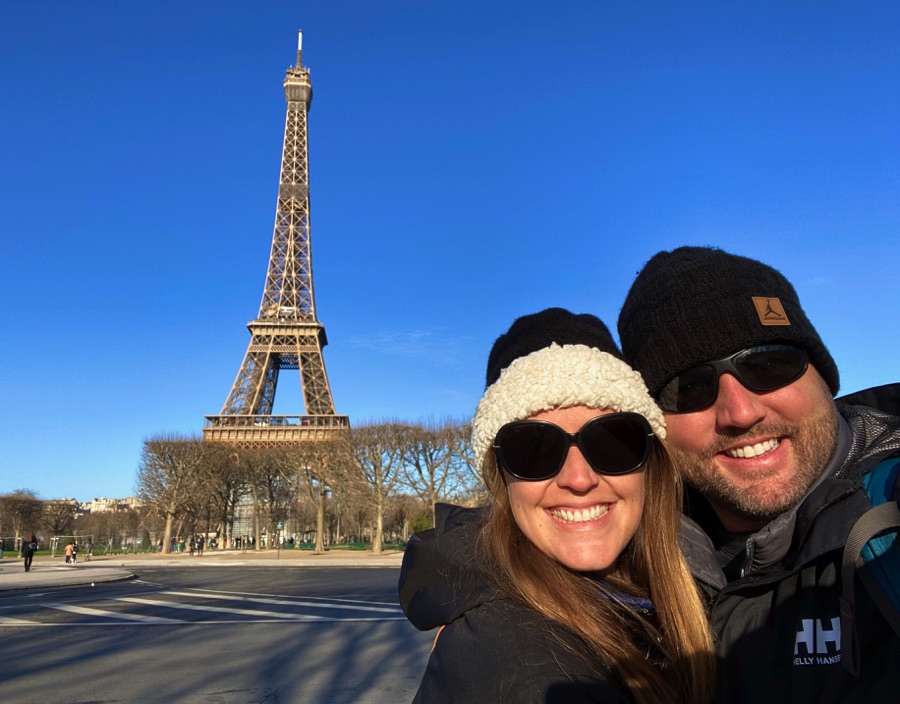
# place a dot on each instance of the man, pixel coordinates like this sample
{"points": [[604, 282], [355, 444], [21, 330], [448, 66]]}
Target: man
{"points": [[774, 473]]}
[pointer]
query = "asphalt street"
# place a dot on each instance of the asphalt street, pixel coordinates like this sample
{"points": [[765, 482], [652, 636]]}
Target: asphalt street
{"points": [[236, 633]]}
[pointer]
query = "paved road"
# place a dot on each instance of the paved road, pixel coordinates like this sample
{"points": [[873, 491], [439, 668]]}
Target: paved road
{"points": [[213, 635]]}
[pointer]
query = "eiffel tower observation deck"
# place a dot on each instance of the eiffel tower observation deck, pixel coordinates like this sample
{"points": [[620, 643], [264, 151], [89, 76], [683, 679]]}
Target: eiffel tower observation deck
{"points": [[286, 335]]}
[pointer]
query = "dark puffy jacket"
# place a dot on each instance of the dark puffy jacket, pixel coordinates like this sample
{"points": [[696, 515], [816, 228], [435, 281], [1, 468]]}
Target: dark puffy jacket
{"points": [[779, 625], [491, 649]]}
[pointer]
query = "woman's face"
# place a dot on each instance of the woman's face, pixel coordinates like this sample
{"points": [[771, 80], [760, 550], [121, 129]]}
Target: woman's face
{"points": [[580, 518]]}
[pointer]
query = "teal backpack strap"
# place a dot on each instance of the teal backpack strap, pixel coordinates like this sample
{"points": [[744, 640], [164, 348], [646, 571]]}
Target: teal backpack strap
{"points": [[881, 557], [872, 553]]}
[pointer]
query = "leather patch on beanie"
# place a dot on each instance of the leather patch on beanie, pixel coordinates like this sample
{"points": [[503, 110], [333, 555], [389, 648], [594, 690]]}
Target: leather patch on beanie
{"points": [[770, 311], [694, 304]]}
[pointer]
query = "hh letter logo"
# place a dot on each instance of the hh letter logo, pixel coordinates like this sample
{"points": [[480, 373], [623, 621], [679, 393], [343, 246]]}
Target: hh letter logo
{"points": [[818, 642]]}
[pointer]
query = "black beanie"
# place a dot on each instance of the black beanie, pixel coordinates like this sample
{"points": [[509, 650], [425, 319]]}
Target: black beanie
{"points": [[696, 304], [538, 330]]}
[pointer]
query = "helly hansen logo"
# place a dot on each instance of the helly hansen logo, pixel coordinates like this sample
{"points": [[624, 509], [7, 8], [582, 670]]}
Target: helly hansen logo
{"points": [[818, 642]]}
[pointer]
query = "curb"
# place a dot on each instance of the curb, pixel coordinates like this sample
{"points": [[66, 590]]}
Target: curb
{"points": [[47, 572]]}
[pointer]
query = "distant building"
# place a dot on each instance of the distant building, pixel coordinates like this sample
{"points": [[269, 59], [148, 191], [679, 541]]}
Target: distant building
{"points": [[77, 508], [104, 505]]}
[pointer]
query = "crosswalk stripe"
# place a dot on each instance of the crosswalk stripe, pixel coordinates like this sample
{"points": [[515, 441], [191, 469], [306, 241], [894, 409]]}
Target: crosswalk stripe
{"points": [[218, 609], [85, 611], [289, 602], [8, 621]]}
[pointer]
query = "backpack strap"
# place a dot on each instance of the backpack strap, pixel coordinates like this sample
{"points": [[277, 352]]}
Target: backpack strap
{"points": [[870, 552]]}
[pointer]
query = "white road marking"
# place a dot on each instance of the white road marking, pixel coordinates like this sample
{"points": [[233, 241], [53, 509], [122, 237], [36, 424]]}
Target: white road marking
{"points": [[85, 611], [217, 609], [246, 615], [7, 621], [348, 605]]}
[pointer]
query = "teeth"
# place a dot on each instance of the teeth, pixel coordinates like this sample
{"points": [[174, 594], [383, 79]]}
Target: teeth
{"points": [[756, 450], [579, 515]]}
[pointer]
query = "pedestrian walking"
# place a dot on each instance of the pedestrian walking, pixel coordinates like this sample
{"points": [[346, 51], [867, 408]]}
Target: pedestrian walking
{"points": [[28, 550]]}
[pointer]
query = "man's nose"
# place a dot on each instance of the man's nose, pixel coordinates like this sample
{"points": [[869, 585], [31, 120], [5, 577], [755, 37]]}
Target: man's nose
{"points": [[737, 406]]}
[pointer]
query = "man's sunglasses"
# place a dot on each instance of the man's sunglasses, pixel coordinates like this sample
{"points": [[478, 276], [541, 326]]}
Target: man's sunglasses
{"points": [[762, 368], [612, 444]]}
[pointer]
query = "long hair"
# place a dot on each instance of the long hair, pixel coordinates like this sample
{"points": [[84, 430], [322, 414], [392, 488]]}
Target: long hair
{"points": [[682, 666]]}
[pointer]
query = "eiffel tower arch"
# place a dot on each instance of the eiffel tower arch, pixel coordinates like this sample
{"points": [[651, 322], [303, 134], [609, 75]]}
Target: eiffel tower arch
{"points": [[286, 335]]}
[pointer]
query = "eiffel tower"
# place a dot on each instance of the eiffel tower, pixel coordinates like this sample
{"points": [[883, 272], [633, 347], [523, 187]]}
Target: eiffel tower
{"points": [[286, 334]]}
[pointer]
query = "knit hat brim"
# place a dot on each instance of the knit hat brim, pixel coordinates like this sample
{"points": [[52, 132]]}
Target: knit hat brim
{"points": [[561, 377]]}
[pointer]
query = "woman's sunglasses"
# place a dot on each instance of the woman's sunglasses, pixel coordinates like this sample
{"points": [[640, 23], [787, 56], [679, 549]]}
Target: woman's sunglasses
{"points": [[612, 444], [762, 368]]}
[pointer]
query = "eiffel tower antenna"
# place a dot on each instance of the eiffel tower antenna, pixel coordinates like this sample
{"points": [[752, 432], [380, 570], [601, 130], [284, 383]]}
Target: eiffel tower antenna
{"points": [[286, 334]]}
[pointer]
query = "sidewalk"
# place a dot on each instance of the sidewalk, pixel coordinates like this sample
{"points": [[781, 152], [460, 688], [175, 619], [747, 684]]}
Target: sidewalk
{"points": [[47, 572]]}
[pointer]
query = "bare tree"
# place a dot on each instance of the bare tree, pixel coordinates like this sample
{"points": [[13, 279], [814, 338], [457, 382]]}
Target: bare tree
{"points": [[462, 463], [315, 468], [272, 494], [429, 469], [351, 499], [22, 508], [401, 510], [227, 484], [378, 448], [58, 516], [171, 467]]}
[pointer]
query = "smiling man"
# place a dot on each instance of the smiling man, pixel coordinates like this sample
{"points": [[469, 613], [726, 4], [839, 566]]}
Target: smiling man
{"points": [[775, 473]]}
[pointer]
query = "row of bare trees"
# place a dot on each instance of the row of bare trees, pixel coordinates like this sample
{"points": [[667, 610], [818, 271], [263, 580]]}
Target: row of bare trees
{"points": [[23, 513], [386, 470]]}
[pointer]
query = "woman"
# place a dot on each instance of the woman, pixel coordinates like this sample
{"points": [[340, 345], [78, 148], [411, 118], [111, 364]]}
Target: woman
{"points": [[572, 588]]}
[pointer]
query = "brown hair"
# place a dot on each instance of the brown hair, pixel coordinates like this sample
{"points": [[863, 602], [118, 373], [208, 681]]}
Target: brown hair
{"points": [[652, 565]]}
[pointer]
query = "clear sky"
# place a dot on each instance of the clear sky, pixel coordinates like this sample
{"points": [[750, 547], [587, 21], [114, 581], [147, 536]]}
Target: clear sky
{"points": [[470, 162]]}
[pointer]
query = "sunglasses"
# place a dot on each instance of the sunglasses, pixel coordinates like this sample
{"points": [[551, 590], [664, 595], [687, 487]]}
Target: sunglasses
{"points": [[761, 368], [612, 444]]}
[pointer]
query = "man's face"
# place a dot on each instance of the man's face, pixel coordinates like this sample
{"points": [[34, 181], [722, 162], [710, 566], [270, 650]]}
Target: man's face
{"points": [[752, 454]]}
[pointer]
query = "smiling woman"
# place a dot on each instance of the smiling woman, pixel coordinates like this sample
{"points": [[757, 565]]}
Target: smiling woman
{"points": [[581, 593]]}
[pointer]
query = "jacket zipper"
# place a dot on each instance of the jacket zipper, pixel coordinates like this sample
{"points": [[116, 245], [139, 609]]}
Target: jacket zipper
{"points": [[749, 551]]}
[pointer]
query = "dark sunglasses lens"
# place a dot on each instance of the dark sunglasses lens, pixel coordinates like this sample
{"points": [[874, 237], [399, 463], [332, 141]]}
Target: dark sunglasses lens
{"points": [[770, 367], [691, 390], [532, 450], [616, 444]]}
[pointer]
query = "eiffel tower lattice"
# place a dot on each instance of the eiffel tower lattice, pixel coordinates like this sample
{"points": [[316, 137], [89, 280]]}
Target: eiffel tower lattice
{"points": [[286, 335]]}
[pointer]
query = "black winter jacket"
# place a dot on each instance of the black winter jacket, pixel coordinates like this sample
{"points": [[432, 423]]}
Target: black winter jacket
{"points": [[779, 624], [492, 649], [777, 627]]}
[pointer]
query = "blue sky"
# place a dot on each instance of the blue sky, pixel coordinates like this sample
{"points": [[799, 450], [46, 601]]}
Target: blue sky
{"points": [[470, 162]]}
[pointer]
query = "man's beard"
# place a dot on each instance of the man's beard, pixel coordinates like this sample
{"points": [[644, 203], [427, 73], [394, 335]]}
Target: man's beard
{"points": [[813, 444]]}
